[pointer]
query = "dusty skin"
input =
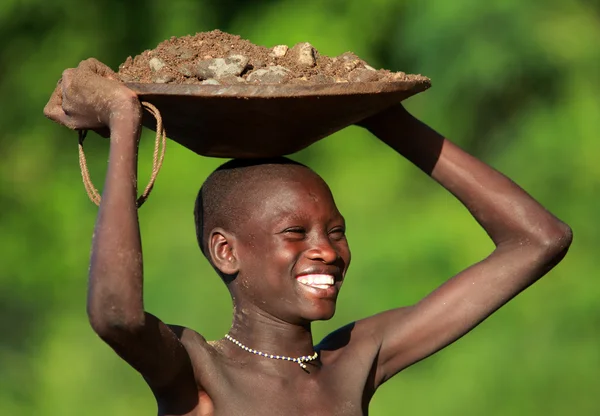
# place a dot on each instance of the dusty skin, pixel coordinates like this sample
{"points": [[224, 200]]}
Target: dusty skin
{"points": [[299, 229]]}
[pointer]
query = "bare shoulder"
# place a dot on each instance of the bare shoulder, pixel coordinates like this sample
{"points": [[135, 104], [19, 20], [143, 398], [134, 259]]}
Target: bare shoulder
{"points": [[194, 343], [362, 337], [205, 356], [364, 332], [352, 353], [186, 334], [363, 341]]}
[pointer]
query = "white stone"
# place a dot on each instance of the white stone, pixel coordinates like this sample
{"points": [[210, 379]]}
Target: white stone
{"points": [[220, 68], [271, 75], [156, 64], [305, 54], [279, 51]]}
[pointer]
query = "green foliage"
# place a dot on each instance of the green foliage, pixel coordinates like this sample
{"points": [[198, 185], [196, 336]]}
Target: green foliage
{"points": [[514, 82]]}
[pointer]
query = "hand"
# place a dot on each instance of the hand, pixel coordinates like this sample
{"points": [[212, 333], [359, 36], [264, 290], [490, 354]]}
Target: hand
{"points": [[90, 97]]}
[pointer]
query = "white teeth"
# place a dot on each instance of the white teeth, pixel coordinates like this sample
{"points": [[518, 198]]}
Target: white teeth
{"points": [[321, 281], [321, 286]]}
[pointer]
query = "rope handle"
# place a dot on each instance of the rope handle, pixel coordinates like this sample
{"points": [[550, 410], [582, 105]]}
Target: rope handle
{"points": [[157, 159]]}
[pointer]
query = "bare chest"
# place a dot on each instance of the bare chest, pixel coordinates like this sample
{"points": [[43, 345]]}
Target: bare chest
{"points": [[339, 384], [318, 393]]}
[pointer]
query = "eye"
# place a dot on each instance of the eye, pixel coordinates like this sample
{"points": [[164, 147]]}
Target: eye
{"points": [[338, 232], [294, 230]]}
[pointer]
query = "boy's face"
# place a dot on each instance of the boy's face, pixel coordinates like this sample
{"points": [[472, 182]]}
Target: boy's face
{"points": [[292, 250]]}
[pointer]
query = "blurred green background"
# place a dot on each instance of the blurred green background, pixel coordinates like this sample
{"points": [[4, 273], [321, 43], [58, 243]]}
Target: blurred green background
{"points": [[516, 83]]}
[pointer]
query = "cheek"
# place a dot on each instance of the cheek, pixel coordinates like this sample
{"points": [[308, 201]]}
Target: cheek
{"points": [[268, 259], [282, 260], [344, 253]]}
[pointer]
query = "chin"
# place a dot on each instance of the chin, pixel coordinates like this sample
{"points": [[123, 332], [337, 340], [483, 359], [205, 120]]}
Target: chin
{"points": [[320, 314]]}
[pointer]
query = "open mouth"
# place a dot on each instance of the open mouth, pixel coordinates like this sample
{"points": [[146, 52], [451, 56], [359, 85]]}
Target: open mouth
{"points": [[318, 281]]}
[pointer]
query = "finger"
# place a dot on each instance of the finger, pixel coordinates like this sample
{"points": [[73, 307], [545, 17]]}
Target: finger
{"points": [[66, 89], [94, 65], [53, 109], [73, 91]]}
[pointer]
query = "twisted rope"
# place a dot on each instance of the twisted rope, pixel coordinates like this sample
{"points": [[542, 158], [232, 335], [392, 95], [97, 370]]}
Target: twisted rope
{"points": [[157, 159]]}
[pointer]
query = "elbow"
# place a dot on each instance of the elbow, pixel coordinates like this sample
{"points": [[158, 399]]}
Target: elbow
{"points": [[553, 242], [109, 321]]}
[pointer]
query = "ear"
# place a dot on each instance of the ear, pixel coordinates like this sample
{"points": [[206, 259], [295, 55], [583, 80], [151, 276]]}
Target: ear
{"points": [[221, 246]]}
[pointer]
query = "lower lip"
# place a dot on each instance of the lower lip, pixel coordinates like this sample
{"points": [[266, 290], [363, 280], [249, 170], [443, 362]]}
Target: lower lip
{"points": [[330, 292]]}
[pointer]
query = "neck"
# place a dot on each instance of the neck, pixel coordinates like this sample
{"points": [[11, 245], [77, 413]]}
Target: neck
{"points": [[263, 332]]}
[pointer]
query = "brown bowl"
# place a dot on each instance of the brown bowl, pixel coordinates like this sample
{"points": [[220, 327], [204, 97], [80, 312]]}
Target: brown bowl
{"points": [[266, 120]]}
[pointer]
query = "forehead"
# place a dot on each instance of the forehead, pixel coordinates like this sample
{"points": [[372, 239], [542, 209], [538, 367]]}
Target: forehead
{"points": [[300, 192]]}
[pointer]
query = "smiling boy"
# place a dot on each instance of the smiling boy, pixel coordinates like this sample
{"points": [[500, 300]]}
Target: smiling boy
{"points": [[272, 231]]}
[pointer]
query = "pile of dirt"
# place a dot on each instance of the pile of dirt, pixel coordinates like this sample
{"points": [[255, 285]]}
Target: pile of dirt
{"points": [[218, 58]]}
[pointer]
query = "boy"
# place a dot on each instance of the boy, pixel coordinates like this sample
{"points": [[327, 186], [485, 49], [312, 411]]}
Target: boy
{"points": [[273, 233]]}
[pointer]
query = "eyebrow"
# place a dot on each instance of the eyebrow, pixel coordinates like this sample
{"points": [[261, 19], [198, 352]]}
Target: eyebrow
{"points": [[287, 214], [295, 216]]}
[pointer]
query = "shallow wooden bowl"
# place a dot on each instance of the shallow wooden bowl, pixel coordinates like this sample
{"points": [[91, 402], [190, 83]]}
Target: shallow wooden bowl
{"points": [[248, 121]]}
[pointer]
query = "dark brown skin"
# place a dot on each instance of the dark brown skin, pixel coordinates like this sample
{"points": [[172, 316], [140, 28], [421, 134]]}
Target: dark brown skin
{"points": [[297, 229]]}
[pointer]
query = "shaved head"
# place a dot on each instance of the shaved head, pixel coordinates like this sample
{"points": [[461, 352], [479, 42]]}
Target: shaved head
{"points": [[225, 199], [263, 223]]}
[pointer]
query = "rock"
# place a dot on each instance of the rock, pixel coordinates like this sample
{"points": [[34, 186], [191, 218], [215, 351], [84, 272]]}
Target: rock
{"points": [[156, 64], [186, 70], [163, 78], [241, 60], [350, 61], [279, 51], [258, 64], [220, 68], [271, 75], [350, 65], [127, 78], [210, 82], [305, 54], [322, 79], [363, 75], [348, 56], [231, 80], [370, 68], [206, 69], [399, 76], [394, 77]]}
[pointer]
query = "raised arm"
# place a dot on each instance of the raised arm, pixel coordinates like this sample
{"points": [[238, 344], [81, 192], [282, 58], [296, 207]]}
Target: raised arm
{"points": [[529, 242], [89, 97]]}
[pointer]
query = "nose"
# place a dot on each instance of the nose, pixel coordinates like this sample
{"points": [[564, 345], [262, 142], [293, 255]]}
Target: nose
{"points": [[322, 250]]}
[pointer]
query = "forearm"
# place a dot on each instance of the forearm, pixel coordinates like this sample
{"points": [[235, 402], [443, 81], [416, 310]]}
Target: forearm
{"points": [[505, 211], [115, 287], [529, 242]]}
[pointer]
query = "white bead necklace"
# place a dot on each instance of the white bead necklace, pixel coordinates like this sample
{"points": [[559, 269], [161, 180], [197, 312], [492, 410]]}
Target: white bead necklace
{"points": [[299, 360]]}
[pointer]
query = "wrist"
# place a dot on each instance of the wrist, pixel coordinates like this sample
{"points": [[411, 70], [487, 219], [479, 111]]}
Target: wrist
{"points": [[125, 114], [392, 117]]}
